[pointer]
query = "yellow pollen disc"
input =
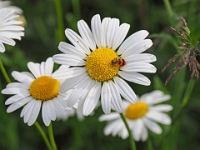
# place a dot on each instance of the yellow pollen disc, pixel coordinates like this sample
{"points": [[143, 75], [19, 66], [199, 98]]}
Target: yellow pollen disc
{"points": [[99, 64], [135, 111], [44, 88]]}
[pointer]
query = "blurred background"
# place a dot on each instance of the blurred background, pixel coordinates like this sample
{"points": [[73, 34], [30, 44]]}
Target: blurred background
{"points": [[41, 41]]}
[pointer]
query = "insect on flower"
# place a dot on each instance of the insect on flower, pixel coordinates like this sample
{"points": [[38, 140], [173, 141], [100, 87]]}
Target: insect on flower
{"points": [[120, 61]]}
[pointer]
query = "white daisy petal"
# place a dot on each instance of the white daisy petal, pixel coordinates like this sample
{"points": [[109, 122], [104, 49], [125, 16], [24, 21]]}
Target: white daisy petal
{"points": [[144, 134], [51, 110], [86, 34], [152, 95], [19, 91], [42, 68], [155, 97], [18, 104], [21, 77], [49, 67], [7, 40], [112, 116], [139, 67], [35, 69], [77, 93], [27, 110], [69, 60], [34, 113], [136, 37], [137, 129], [111, 128], [13, 22], [69, 49], [77, 41], [80, 107], [125, 90], [11, 28], [45, 115], [29, 75], [106, 98], [159, 117], [68, 73], [116, 98], [124, 133], [2, 48], [104, 27], [135, 77], [92, 99], [19, 85], [120, 35], [11, 34], [161, 107], [14, 99], [82, 100], [72, 82], [113, 25], [59, 107], [137, 48], [96, 29], [118, 128], [153, 126], [140, 58]]}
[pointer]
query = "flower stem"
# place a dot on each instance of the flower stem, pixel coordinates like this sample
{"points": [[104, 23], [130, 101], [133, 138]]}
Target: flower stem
{"points": [[60, 30], [4, 72], [51, 137], [149, 144], [132, 142], [76, 8], [169, 12], [168, 7], [188, 93], [43, 135]]}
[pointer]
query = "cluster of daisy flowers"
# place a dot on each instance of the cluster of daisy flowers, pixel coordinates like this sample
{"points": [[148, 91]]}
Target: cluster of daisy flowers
{"points": [[95, 68]]}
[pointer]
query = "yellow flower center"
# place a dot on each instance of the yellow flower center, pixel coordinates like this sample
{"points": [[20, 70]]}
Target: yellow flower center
{"points": [[99, 64], [135, 111], [44, 88]]}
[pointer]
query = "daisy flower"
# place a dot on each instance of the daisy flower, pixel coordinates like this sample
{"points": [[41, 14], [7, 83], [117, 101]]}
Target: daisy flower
{"points": [[37, 90], [100, 60], [7, 4], [140, 116], [9, 28]]}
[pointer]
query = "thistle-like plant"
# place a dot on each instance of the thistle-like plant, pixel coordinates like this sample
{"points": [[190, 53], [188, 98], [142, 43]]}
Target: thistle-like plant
{"points": [[187, 55]]}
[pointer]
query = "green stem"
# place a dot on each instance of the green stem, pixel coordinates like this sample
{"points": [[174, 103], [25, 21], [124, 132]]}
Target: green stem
{"points": [[76, 8], [43, 135], [132, 142], [4, 72], [169, 12], [60, 30], [188, 93], [150, 147], [168, 7], [51, 137]]}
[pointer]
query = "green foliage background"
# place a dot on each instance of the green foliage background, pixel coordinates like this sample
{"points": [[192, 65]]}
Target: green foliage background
{"points": [[41, 42]]}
